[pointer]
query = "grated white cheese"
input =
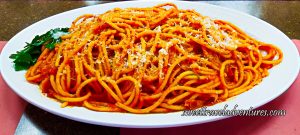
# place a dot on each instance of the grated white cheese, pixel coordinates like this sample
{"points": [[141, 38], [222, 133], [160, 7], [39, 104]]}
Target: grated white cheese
{"points": [[157, 29], [163, 51], [205, 59], [207, 22], [197, 18], [134, 62], [210, 24], [139, 46], [250, 47], [216, 26], [98, 61], [180, 15], [129, 51], [181, 47], [143, 59], [148, 53], [161, 74], [126, 64], [136, 12], [213, 41]]}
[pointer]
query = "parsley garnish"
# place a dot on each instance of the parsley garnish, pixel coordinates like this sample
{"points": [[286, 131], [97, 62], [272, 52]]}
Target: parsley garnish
{"points": [[28, 56]]}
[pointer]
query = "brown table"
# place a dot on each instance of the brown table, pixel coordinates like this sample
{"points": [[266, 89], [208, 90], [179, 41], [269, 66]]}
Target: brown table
{"points": [[16, 15]]}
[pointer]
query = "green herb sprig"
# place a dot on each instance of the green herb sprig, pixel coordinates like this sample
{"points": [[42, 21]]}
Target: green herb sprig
{"points": [[28, 56]]}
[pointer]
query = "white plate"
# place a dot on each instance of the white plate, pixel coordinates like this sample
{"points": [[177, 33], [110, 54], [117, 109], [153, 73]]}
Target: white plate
{"points": [[279, 80]]}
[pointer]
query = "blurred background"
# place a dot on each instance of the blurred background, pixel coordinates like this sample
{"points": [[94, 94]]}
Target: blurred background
{"points": [[17, 15]]}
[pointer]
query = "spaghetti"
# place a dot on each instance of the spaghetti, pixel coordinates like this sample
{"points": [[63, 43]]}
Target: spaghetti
{"points": [[151, 60]]}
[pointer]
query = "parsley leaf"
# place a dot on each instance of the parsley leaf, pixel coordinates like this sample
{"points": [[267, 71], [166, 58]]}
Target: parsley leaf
{"points": [[28, 56]]}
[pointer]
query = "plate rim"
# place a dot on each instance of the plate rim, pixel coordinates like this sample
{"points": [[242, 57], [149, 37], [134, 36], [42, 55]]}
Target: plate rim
{"points": [[62, 114]]}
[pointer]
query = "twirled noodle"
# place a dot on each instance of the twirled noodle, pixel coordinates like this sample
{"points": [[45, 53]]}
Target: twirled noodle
{"points": [[151, 60]]}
